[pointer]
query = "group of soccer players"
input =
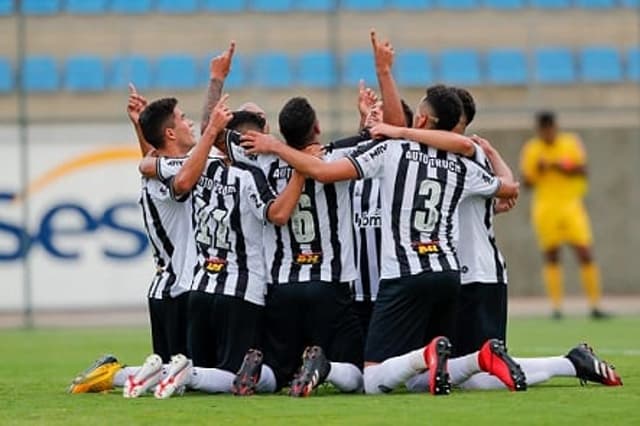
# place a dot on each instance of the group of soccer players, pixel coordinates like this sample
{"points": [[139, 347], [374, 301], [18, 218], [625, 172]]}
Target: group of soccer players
{"points": [[368, 263]]}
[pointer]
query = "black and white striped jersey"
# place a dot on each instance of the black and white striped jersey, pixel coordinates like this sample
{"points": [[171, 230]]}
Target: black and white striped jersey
{"points": [[316, 243], [479, 256], [420, 190], [367, 233], [229, 209], [168, 225]]}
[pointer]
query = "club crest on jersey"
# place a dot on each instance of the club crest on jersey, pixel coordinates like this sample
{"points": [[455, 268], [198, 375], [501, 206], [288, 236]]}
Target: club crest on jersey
{"points": [[425, 248], [215, 265], [308, 258]]}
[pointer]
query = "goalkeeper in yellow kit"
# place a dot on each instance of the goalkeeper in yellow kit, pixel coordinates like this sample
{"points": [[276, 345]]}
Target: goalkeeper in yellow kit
{"points": [[554, 165]]}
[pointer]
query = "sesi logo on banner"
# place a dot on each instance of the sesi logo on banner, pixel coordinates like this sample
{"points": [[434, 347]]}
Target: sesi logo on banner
{"points": [[85, 240]]}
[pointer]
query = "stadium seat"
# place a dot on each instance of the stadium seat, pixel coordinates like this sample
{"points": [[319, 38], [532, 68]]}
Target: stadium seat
{"points": [[413, 69], [506, 67], [224, 5], [359, 65], [554, 65], [176, 71], [317, 69], [457, 4], [633, 4], [504, 4], [410, 4], [84, 73], [40, 7], [131, 7], [551, 4], [459, 66], [316, 5], [271, 6], [363, 5], [86, 7], [133, 68], [6, 7], [177, 6], [39, 74], [6, 76], [272, 70], [633, 64], [600, 65], [595, 4]]}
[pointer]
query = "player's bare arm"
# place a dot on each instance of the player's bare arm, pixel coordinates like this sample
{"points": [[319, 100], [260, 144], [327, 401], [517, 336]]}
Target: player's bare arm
{"points": [[509, 187], [135, 105], [383, 54], [308, 165], [439, 139], [219, 69]]}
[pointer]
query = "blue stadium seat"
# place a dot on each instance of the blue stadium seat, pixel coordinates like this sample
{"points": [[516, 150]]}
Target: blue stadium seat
{"points": [[551, 4], [317, 69], [6, 7], [40, 7], [133, 68], [131, 7], [177, 6], [460, 66], [410, 4], [6, 76], [600, 65], [224, 5], [595, 4], [237, 78], [457, 4], [413, 69], [176, 71], [272, 70], [316, 5], [86, 7], [272, 5], [506, 67], [633, 4], [85, 73], [555, 65], [359, 65], [504, 4], [39, 74], [363, 5], [633, 64]]}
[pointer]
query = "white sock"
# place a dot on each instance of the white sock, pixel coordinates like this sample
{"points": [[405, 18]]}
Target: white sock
{"points": [[418, 383], [121, 375], [267, 382], [539, 370], [483, 381], [345, 376], [210, 380], [393, 372], [463, 367]]}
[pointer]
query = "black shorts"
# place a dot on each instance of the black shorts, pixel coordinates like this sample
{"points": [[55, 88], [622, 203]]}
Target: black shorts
{"points": [[482, 315], [221, 330], [410, 311], [318, 313], [363, 310], [168, 319]]}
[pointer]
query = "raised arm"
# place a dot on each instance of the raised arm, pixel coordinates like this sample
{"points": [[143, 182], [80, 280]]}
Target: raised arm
{"points": [[219, 68], [367, 99], [439, 139], [392, 106], [135, 105]]}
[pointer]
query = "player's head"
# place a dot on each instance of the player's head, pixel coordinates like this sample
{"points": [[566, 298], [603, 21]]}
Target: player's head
{"points": [[468, 109], [408, 113], [163, 123], [257, 109], [243, 121], [440, 109], [546, 126], [298, 123]]}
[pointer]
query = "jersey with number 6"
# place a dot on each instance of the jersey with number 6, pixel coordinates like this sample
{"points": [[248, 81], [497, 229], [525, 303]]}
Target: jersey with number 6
{"points": [[229, 208], [420, 190], [316, 243]]}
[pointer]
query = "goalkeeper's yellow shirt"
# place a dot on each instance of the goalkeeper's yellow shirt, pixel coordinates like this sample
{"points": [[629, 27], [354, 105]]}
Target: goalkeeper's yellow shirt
{"points": [[552, 186]]}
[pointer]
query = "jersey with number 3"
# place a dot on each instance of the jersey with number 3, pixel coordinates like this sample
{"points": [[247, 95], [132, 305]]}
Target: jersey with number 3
{"points": [[420, 190]]}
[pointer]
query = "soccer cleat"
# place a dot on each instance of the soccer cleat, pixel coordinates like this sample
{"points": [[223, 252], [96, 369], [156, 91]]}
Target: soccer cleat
{"points": [[493, 359], [98, 377], [145, 379], [315, 369], [436, 356], [248, 376], [597, 314], [180, 370], [591, 368]]}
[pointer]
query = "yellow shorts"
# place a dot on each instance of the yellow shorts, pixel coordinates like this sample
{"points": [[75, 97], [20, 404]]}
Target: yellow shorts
{"points": [[557, 224]]}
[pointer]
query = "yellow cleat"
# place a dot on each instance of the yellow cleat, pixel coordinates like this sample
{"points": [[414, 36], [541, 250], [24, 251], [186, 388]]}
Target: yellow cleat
{"points": [[98, 377]]}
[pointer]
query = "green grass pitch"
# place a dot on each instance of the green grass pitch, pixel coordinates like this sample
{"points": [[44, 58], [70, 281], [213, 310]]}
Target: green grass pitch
{"points": [[36, 366]]}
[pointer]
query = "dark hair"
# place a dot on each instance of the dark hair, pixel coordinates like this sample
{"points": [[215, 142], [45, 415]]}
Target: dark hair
{"points": [[408, 113], [446, 106], [296, 121], [468, 104], [545, 119], [246, 120], [155, 118]]}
